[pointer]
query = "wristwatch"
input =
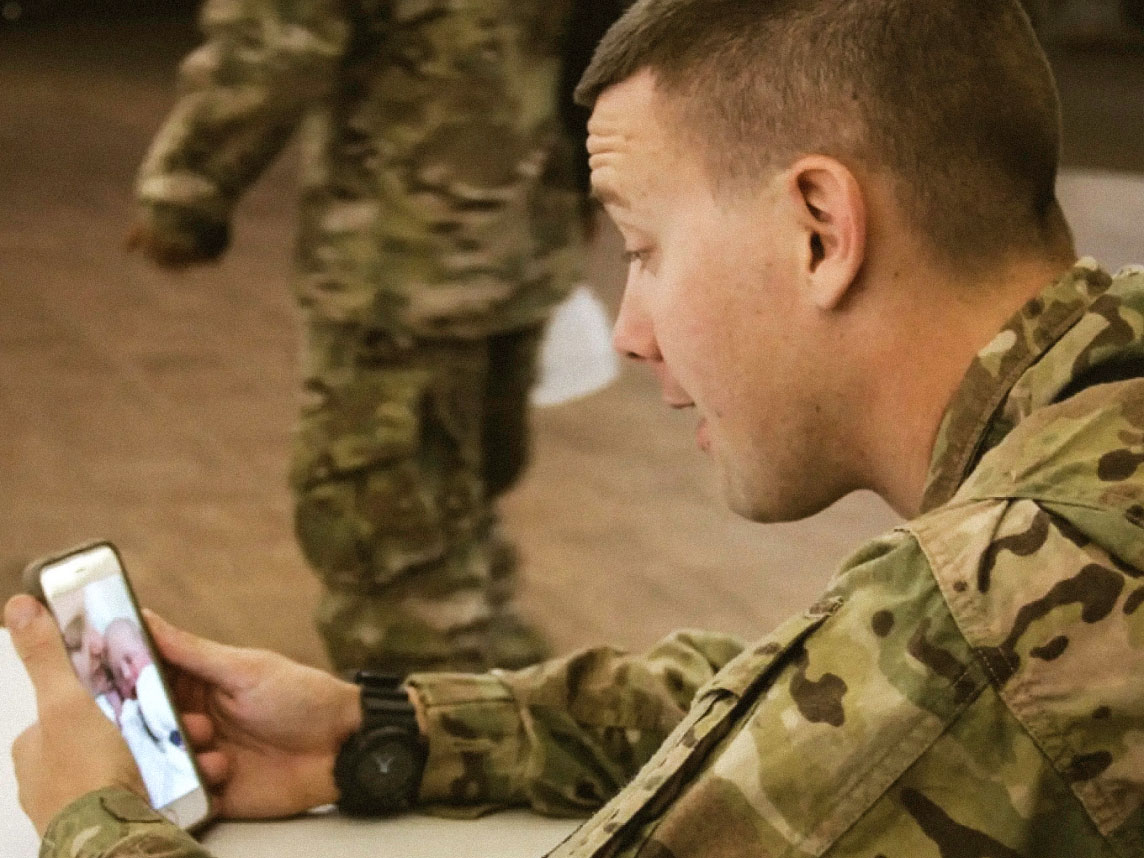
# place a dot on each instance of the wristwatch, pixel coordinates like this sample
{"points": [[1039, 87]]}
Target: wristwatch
{"points": [[378, 768]]}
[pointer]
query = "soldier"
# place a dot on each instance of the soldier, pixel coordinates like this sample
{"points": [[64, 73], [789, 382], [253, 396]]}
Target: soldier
{"points": [[854, 287], [438, 229]]}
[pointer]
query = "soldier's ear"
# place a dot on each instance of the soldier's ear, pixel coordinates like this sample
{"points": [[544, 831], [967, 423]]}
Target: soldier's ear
{"points": [[830, 212]]}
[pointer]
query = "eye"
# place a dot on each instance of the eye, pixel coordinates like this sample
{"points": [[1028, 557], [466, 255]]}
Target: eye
{"points": [[639, 257]]}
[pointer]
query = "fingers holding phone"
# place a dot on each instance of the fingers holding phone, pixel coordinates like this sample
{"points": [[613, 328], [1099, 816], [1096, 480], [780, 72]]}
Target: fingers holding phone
{"points": [[270, 727], [72, 749], [214, 764]]}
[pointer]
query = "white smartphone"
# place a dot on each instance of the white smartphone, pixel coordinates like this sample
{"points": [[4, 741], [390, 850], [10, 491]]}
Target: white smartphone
{"points": [[111, 650]]}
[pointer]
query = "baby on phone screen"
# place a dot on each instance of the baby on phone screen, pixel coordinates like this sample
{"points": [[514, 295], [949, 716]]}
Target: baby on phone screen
{"points": [[85, 647], [117, 669]]}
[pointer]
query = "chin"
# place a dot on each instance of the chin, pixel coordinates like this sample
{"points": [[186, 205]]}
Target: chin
{"points": [[768, 514], [753, 508], [772, 507]]}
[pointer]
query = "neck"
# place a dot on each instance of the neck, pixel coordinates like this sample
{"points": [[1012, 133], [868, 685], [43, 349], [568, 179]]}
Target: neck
{"points": [[924, 332]]}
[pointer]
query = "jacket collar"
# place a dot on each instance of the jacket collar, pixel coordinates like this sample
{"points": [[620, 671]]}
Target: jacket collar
{"points": [[1008, 379]]}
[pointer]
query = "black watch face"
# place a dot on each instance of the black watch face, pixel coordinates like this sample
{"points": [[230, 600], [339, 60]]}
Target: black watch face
{"points": [[386, 767]]}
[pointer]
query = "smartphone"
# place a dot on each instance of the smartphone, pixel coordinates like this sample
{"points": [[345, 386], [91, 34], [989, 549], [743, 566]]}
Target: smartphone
{"points": [[114, 657]]}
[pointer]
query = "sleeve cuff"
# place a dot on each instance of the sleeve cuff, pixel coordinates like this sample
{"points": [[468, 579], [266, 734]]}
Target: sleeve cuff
{"points": [[99, 822], [182, 190], [478, 748]]}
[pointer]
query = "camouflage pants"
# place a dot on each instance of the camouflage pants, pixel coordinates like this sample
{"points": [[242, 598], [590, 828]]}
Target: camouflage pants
{"points": [[402, 447]]}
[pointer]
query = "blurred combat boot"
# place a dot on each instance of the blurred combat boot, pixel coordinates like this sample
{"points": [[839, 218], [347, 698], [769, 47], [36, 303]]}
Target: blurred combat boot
{"points": [[404, 634], [453, 617], [515, 643]]}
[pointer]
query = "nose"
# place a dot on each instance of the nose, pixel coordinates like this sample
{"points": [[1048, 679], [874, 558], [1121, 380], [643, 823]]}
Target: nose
{"points": [[633, 336]]}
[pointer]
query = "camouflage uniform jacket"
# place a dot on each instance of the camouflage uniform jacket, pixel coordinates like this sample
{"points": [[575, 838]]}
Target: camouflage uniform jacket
{"points": [[970, 686], [436, 190]]}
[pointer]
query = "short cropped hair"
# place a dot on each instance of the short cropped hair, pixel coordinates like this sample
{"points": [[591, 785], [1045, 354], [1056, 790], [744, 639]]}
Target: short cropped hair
{"points": [[954, 98]]}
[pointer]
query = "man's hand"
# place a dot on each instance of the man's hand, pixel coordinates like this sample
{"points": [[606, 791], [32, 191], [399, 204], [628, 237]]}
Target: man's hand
{"points": [[73, 749], [197, 242], [265, 729]]}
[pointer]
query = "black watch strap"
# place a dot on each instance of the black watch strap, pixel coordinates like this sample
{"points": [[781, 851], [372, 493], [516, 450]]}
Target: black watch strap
{"points": [[385, 702], [378, 769]]}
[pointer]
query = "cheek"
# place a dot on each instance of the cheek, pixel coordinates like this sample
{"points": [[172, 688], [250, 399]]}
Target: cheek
{"points": [[714, 309], [711, 341], [700, 360]]}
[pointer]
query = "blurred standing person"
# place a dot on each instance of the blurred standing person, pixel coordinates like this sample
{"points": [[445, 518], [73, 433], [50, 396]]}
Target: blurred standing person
{"points": [[438, 230]]}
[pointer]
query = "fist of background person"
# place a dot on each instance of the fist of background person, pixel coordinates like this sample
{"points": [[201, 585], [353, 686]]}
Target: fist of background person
{"points": [[72, 749], [203, 243]]}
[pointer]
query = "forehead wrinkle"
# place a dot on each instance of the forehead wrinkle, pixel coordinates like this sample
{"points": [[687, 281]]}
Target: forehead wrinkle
{"points": [[606, 152], [633, 154]]}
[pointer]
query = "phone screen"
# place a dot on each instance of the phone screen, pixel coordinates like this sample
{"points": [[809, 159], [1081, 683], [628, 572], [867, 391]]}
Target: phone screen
{"points": [[109, 647]]}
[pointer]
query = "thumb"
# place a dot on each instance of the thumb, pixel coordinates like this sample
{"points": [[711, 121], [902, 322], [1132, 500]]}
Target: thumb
{"points": [[38, 643], [204, 659]]}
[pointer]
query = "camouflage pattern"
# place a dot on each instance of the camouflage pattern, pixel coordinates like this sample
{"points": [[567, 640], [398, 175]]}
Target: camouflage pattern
{"points": [[971, 685], [435, 187], [115, 823], [397, 467], [438, 222]]}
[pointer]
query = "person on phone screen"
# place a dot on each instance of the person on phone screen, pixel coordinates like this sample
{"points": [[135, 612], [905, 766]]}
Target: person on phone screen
{"points": [[146, 721], [846, 255], [85, 647], [136, 677]]}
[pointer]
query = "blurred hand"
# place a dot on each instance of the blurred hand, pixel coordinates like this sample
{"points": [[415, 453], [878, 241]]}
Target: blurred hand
{"points": [[73, 749], [265, 729], [175, 254]]}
